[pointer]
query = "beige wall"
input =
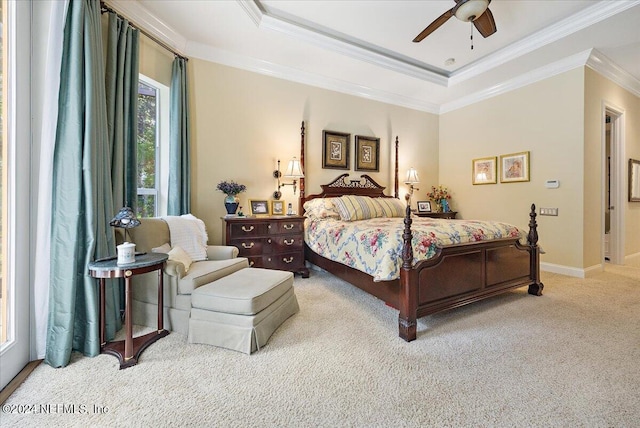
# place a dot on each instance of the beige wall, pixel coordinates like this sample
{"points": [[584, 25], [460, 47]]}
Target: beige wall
{"points": [[598, 91], [155, 61], [544, 118], [243, 122]]}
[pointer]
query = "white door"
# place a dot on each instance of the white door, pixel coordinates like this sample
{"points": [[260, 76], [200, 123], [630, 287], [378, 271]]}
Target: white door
{"points": [[613, 184]]}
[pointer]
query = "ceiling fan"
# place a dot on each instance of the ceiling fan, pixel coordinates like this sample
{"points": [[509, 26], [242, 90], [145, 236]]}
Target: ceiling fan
{"points": [[476, 11]]}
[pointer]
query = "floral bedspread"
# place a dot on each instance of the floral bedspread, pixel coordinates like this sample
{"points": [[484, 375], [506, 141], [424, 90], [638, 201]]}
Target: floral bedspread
{"points": [[375, 246]]}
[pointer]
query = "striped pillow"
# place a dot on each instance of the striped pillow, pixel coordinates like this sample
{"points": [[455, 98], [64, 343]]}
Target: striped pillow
{"points": [[391, 207], [353, 207]]}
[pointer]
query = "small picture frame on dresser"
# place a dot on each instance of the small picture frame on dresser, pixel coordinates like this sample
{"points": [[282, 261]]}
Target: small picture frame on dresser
{"points": [[424, 206], [259, 207], [277, 207]]}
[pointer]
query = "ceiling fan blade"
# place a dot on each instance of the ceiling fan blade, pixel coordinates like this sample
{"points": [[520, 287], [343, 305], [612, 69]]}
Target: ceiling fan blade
{"points": [[485, 24], [433, 26]]}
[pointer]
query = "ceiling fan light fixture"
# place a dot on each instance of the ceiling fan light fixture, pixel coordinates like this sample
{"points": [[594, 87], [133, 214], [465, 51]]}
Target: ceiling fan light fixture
{"points": [[470, 10]]}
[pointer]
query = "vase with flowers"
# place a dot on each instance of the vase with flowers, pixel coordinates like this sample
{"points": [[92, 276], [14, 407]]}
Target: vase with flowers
{"points": [[441, 196], [231, 189]]}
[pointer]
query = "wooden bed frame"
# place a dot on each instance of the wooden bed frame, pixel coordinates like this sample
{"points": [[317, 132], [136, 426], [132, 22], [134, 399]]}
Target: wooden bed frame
{"points": [[457, 275]]}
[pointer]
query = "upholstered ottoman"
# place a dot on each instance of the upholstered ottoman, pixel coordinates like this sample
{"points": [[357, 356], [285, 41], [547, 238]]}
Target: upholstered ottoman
{"points": [[242, 310]]}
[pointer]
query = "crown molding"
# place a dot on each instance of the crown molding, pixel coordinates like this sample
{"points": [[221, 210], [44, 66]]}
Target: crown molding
{"points": [[583, 19], [536, 75], [341, 45], [140, 16], [604, 66], [292, 74]]}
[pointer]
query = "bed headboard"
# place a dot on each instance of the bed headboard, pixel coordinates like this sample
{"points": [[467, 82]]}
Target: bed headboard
{"points": [[364, 186]]}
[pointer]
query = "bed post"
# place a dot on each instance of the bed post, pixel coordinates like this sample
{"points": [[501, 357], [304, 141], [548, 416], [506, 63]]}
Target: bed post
{"points": [[536, 287], [300, 203], [395, 182], [408, 299]]}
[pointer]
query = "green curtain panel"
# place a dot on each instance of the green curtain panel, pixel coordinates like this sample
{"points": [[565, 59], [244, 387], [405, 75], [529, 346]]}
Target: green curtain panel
{"points": [[179, 152], [83, 184], [122, 108]]}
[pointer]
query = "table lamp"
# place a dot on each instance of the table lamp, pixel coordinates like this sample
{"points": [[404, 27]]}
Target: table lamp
{"points": [[126, 219]]}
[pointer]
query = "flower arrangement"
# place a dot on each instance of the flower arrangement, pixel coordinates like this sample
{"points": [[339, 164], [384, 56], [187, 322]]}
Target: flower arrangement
{"points": [[438, 193], [230, 188]]}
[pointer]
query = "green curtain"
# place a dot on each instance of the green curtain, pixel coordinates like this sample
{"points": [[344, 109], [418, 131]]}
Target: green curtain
{"points": [[179, 152], [83, 192], [122, 109]]}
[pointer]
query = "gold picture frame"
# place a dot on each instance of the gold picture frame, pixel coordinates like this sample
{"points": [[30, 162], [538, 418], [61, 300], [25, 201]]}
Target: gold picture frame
{"points": [[259, 207], [335, 150], [367, 154], [277, 207], [483, 170], [514, 167]]}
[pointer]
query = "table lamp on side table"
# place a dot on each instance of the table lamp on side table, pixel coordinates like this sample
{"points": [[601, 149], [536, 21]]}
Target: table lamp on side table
{"points": [[126, 219]]}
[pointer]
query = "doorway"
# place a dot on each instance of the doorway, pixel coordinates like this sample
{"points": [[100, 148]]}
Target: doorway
{"points": [[613, 185]]}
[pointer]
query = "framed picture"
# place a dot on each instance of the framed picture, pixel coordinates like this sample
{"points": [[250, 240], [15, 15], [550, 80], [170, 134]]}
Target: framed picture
{"points": [[259, 207], [424, 206], [483, 171], [335, 150], [514, 167], [277, 207], [367, 153]]}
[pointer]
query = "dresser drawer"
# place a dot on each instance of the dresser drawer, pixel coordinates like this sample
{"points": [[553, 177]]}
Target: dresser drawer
{"points": [[249, 246], [292, 226], [286, 243], [245, 229], [285, 261]]}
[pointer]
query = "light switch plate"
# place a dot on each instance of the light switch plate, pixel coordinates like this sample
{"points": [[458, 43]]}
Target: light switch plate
{"points": [[549, 211]]}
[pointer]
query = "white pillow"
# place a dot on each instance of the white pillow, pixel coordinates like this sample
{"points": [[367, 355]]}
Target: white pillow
{"points": [[164, 248], [177, 254]]}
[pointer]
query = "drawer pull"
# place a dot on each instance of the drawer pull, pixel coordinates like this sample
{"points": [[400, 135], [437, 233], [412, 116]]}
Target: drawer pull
{"points": [[289, 242], [269, 241], [247, 229], [289, 260], [288, 226], [251, 263], [248, 246]]}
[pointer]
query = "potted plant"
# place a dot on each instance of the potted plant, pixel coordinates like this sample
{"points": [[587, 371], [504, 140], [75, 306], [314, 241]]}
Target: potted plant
{"points": [[231, 190]]}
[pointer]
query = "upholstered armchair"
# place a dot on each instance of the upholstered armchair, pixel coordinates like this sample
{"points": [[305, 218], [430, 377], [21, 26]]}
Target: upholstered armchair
{"points": [[179, 279]]}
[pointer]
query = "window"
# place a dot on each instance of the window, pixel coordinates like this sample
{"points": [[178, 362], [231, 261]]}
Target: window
{"points": [[153, 143]]}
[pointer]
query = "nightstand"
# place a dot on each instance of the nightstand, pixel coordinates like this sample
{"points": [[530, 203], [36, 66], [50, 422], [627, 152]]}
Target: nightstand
{"points": [[273, 242], [449, 215]]}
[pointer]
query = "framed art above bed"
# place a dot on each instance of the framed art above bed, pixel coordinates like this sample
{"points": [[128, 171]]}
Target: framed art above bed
{"points": [[335, 150], [367, 154]]}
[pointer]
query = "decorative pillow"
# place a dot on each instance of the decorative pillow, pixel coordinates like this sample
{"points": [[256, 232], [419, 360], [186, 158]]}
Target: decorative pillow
{"points": [[190, 233], [179, 255], [392, 207], [353, 207], [164, 248], [320, 208]]}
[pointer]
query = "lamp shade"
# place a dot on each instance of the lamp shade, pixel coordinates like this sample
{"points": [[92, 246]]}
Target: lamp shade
{"points": [[412, 177], [294, 170], [125, 218], [471, 10]]}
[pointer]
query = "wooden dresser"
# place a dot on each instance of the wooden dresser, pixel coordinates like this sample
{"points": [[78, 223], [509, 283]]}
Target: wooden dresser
{"points": [[275, 242]]}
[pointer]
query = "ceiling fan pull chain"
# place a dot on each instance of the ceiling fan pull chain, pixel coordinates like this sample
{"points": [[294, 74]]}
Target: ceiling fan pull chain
{"points": [[471, 34]]}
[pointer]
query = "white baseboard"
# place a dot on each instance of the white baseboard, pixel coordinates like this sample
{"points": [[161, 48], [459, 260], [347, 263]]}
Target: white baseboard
{"points": [[565, 270]]}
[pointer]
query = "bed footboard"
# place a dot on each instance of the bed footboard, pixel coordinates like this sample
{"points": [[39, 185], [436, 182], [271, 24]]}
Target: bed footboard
{"points": [[459, 275]]}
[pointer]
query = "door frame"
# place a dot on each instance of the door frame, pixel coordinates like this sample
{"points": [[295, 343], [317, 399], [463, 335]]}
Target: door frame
{"points": [[15, 352], [616, 234]]}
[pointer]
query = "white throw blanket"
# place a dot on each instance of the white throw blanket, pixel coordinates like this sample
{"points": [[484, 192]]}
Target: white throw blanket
{"points": [[189, 233]]}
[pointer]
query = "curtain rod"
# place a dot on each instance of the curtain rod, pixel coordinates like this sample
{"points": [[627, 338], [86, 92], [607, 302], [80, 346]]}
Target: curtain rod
{"points": [[104, 8]]}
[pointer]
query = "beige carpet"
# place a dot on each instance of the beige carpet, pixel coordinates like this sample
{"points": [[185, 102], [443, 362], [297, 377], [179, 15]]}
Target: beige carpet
{"points": [[568, 358]]}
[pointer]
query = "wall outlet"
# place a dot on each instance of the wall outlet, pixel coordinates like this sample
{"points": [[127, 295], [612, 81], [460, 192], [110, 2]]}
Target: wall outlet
{"points": [[549, 211]]}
